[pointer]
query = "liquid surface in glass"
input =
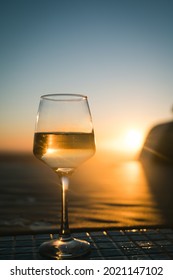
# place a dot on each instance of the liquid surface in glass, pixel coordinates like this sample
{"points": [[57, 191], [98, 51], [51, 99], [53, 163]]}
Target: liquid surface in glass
{"points": [[64, 151]]}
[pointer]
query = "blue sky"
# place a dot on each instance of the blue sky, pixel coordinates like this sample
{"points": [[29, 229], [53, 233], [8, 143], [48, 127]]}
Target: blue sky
{"points": [[119, 53]]}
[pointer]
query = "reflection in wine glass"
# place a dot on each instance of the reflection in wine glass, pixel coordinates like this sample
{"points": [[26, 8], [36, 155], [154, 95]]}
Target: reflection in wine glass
{"points": [[64, 139]]}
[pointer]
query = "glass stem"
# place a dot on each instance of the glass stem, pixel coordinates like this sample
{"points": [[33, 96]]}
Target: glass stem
{"points": [[64, 230]]}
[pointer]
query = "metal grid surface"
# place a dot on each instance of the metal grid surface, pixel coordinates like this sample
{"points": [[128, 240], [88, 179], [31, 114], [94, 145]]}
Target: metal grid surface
{"points": [[132, 244]]}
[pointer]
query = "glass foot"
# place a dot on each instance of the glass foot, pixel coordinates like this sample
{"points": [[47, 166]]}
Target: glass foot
{"points": [[64, 249]]}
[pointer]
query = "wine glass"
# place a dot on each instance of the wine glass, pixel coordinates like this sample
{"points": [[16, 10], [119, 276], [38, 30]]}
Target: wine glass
{"points": [[64, 139]]}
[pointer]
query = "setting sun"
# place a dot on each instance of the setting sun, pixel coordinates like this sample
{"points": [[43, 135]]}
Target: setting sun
{"points": [[129, 141], [133, 140]]}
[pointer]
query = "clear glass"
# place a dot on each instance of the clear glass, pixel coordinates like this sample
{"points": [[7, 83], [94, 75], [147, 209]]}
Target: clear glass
{"points": [[64, 139]]}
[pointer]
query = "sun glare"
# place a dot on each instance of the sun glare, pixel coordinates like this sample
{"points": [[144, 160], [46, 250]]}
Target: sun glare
{"points": [[133, 140], [126, 144], [130, 141]]}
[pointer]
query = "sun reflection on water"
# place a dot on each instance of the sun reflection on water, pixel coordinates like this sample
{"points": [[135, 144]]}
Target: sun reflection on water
{"points": [[117, 193]]}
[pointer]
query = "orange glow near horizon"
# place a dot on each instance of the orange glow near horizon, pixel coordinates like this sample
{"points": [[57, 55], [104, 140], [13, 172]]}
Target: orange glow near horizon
{"points": [[129, 141], [133, 140], [125, 140]]}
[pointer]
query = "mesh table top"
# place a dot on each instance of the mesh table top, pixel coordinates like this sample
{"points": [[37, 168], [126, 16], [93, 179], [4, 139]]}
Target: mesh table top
{"points": [[120, 244]]}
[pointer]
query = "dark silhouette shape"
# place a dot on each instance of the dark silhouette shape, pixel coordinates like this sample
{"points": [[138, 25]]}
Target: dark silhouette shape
{"points": [[160, 183], [159, 144], [157, 160]]}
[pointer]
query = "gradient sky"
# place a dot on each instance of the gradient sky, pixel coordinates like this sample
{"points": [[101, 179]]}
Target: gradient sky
{"points": [[119, 53]]}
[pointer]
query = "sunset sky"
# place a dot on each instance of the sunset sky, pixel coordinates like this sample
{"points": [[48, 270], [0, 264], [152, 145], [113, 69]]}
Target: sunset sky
{"points": [[118, 53]]}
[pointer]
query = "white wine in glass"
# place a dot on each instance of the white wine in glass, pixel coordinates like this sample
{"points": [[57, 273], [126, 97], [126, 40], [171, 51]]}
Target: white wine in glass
{"points": [[64, 139]]}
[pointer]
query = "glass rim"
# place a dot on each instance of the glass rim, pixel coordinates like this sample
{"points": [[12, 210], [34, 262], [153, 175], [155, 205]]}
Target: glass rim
{"points": [[64, 97]]}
